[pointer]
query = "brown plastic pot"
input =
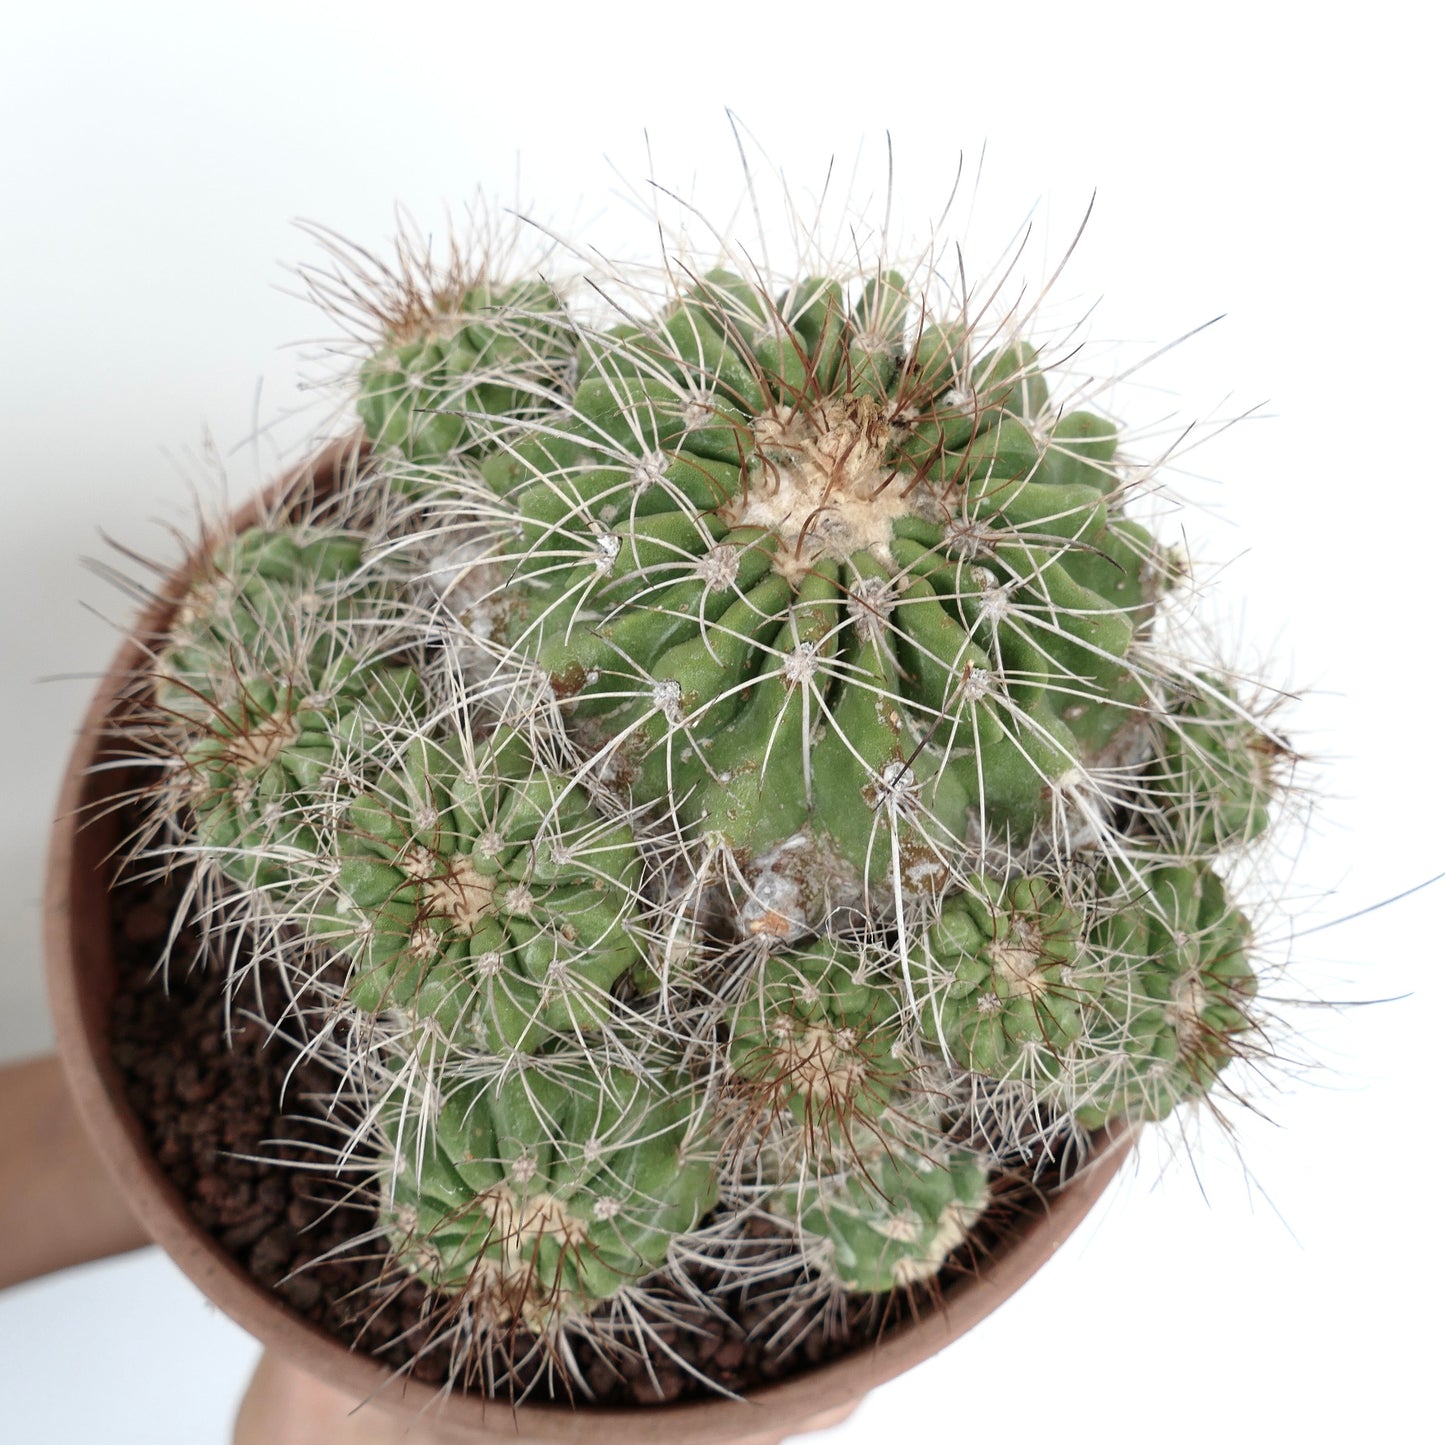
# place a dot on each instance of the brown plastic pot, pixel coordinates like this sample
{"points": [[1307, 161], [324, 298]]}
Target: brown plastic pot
{"points": [[82, 975]]}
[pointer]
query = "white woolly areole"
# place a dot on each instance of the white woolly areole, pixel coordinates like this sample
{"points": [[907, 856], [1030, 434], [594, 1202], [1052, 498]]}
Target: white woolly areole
{"points": [[461, 894], [871, 602], [667, 699], [718, 566], [800, 663], [975, 684], [821, 485], [260, 745], [1185, 1011], [697, 410], [1018, 963], [651, 471], [609, 546]]}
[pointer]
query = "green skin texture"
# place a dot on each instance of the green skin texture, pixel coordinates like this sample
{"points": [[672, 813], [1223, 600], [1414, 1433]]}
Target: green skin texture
{"points": [[545, 1195], [267, 670], [270, 604], [265, 765], [723, 676], [432, 391], [815, 1040], [1126, 1017], [484, 896]]}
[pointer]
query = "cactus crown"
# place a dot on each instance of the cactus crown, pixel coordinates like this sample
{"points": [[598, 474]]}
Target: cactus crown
{"points": [[731, 770]]}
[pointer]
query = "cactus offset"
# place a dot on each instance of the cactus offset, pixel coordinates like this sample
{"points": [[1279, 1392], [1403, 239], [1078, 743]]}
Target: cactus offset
{"points": [[483, 895], [543, 1195]]}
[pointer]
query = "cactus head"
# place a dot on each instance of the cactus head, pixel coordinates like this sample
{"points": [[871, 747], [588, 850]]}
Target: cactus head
{"points": [[814, 1037], [890, 1215], [1002, 987], [542, 1194], [1179, 1004], [272, 678], [1214, 772], [453, 365], [485, 896]]}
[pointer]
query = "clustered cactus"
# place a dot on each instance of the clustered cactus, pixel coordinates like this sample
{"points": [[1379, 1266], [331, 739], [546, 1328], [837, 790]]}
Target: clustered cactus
{"points": [[726, 774]]}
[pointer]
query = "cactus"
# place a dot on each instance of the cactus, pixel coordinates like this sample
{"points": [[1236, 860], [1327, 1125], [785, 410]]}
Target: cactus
{"points": [[726, 778], [483, 895], [455, 361], [891, 1217], [540, 1194]]}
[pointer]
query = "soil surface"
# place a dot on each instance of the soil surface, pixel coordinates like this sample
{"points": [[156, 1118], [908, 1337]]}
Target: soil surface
{"points": [[244, 1132]]}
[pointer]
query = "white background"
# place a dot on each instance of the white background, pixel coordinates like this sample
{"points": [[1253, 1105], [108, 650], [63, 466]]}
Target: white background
{"points": [[1285, 173]]}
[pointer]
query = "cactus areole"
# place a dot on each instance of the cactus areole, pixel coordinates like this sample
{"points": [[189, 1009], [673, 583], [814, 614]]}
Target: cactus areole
{"points": [[720, 788]]}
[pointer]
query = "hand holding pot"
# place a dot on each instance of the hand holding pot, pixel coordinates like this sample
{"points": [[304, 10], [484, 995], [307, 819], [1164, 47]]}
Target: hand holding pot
{"points": [[284, 1406], [52, 1215]]}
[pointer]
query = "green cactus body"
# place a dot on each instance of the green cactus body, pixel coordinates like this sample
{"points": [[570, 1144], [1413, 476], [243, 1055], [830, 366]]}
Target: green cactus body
{"points": [[800, 576], [264, 775], [815, 1036], [545, 1193], [719, 774], [272, 604], [998, 978], [891, 1215], [1176, 1002], [1123, 1007], [445, 375], [1211, 781], [485, 897]]}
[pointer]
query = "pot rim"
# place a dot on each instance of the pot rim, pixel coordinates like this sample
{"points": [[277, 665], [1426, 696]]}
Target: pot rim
{"points": [[77, 945]]}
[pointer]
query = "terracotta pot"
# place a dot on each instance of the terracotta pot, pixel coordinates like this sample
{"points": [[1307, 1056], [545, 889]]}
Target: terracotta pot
{"points": [[82, 971]]}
